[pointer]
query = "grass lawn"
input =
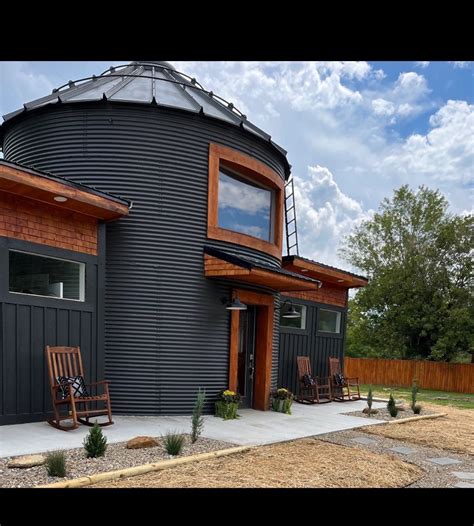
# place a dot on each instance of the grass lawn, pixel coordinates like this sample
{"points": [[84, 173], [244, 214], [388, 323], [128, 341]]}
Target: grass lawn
{"points": [[459, 400]]}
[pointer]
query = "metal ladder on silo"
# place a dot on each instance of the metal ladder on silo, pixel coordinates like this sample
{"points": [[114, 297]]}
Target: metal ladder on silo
{"points": [[290, 218]]}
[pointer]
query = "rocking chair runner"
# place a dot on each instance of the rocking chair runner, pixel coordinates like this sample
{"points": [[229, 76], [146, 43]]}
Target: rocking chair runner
{"points": [[314, 393], [341, 392], [67, 362]]}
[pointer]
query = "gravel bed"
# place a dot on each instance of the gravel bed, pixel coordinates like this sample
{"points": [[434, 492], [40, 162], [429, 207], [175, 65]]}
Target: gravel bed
{"points": [[383, 414], [435, 476], [117, 456]]}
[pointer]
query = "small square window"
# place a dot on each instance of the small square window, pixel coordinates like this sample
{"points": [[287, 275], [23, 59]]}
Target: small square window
{"points": [[293, 323], [329, 321], [46, 276]]}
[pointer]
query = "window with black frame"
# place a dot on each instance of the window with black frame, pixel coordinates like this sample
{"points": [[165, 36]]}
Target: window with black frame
{"points": [[46, 276]]}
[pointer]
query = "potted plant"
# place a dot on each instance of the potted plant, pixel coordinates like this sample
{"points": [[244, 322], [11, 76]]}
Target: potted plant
{"points": [[282, 400], [227, 404]]}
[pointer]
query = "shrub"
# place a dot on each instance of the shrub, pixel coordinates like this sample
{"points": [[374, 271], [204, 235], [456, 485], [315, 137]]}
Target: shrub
{"points": [[414, 393], [56, 464], [392, 408], [370, 397], [197, 421], [95, 443], [282, 400], [417, 409], [173, 443]]}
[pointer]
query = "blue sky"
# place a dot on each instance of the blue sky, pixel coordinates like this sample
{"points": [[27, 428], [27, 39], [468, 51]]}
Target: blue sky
{"points": [[354, 131]]}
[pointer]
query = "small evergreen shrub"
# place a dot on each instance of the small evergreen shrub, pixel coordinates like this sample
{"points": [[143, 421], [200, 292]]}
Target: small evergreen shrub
{"points": [[56, 464], [414, 393], [197, 421], [370, 397], [95, 443], [173, 442], [417, 409], [392, 408]]}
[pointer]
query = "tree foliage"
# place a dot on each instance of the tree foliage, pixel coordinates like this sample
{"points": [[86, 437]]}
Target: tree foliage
{"points": [[419, 301]]}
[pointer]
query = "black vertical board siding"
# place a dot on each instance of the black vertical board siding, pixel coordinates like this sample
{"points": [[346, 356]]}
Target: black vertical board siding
{"points": [[319, 347], [27, 325], [166, 332]]}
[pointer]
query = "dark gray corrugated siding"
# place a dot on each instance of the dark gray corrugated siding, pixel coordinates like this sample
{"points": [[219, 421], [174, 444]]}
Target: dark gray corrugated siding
{"points": [[166, 331], [310, 343]]}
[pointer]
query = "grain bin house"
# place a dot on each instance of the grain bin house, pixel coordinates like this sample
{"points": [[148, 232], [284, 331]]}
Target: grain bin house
{"points": [[136, 208]]}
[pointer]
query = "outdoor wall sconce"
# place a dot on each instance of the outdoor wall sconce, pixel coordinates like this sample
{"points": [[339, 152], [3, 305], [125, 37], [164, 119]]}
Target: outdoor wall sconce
{"points": [[291, 312], [235, 304]]}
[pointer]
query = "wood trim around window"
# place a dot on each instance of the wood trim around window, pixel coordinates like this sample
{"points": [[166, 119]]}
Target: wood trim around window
{"points": [[259, 172]]}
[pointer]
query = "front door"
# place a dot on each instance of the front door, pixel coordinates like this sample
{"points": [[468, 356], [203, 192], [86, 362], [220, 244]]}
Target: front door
{"points": [[246, 357]]}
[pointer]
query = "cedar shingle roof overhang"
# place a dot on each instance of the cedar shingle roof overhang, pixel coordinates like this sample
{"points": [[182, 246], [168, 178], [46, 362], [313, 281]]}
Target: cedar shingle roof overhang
{"points": [[323, 272], [44, 187], [244, 269]]}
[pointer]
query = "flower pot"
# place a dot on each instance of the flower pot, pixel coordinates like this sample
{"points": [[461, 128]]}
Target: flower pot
{"points": [[282, 406], [227, 410]]}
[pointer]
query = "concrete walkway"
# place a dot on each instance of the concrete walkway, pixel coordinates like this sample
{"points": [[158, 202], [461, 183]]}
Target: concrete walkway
{"points": [[252, 428]]}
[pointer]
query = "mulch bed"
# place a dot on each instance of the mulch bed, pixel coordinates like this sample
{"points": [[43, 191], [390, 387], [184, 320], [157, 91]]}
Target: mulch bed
{"points": [[117, 456], [303, 463]]}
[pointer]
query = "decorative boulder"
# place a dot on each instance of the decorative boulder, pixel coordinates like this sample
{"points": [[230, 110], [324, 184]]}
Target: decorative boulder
{"points": [[27, 461], [372, 411], [141, 442]]}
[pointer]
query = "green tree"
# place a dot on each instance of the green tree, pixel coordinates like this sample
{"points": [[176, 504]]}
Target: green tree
{"points": [[419, 301]]}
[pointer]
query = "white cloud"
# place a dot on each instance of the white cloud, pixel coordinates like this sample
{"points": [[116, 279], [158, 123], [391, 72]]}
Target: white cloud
{"points": [[325, 215], [422, 64], [445, 153], [461, 64], [383, 107]]}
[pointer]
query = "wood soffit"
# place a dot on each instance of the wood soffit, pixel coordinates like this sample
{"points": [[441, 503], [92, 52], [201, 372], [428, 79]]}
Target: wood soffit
{"points": [[333, 276], [221, 269], [23, 183]]}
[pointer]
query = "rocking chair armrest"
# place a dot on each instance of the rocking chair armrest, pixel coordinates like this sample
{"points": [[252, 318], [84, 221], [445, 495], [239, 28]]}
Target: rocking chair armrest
{"points": [[353, 379]]}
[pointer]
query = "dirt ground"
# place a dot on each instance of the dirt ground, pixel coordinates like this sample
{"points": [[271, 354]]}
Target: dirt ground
{"points": [[301, 463], [454, 432]]}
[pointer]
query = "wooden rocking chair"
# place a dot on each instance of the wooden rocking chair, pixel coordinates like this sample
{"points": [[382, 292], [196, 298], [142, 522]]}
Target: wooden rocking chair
{"points": [[315, 394], [341, 392], [67, 361]]}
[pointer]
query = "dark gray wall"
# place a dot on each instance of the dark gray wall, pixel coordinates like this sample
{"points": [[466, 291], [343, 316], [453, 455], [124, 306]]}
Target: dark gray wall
{"points": [[317, 345], [29, 323], [166, 331]]}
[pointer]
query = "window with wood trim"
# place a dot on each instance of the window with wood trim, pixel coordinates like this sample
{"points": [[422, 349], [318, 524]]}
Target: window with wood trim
{"points": [[245, 201]]}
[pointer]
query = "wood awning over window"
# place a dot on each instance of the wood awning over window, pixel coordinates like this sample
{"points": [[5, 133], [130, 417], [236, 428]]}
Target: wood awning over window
{"points": [[243, 269], [26, 182], [323, 272]]}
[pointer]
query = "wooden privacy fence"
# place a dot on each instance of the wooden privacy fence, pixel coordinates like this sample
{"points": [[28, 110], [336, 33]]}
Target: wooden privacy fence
{"points": [[441, 376]]}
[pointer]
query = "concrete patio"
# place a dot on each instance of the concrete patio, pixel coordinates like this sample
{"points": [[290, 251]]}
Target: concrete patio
{"points": [[252, 428]]}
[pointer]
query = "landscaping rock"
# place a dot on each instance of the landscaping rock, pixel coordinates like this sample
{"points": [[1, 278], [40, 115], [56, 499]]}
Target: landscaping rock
{"points": [[141, 442], [27, 461], [372, 411]]}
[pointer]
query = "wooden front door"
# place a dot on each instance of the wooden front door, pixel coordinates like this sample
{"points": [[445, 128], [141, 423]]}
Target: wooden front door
{"points": [[261, 307]]}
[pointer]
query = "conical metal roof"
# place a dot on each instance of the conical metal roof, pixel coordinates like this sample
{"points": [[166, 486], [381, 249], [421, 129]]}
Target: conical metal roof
{"points": [[154, 83]]}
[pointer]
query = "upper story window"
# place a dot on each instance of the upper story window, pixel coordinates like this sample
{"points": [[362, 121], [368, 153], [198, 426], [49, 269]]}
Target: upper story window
{"points": [[329, 321], [46, 276], [244, 206], [245, 201]]}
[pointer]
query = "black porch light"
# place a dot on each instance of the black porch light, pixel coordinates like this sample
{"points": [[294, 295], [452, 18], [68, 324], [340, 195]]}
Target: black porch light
{"points": [[236, 304], [291, 312]]}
